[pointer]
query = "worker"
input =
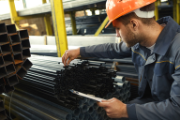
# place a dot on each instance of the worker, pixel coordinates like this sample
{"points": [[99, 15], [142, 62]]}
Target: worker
{"points": [[155, 50]]}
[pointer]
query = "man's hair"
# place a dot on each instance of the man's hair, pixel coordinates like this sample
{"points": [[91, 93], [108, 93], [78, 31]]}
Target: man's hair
{"points": [[126, 18]]}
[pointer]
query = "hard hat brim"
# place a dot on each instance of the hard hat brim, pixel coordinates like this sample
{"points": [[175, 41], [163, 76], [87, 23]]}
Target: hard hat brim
{"points": [[108, 24]]}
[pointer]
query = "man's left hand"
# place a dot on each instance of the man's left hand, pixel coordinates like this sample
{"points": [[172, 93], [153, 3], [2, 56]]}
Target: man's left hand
{"points": [[114, 108]]}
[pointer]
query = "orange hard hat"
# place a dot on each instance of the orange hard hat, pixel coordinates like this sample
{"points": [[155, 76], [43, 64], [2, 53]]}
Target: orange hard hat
{"points": [[118, 8]]}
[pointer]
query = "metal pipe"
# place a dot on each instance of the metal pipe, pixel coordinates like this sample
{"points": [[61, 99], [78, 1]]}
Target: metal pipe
{"points": [[12, 80], [90, 110], [17, 113], [82, 116], [120, 85], [36, 112], [53, 104], [1, 106], [3, 115], [26, 53], [120, 79], [91, 102], [40, 105], [84, 108]]}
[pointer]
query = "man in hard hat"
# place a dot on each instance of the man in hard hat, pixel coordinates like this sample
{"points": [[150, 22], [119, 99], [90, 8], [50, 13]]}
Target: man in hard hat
{"points": [[155, 50]]}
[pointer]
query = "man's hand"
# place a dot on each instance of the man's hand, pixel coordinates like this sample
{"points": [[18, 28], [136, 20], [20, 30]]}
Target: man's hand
{"points": [[114, 108], [70, 55]]}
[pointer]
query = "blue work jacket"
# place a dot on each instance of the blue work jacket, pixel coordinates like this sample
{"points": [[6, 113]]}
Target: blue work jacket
{"points": [[160, 70]]}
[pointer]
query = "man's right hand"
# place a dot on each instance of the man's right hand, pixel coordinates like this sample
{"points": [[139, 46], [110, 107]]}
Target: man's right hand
{"points": [[70, 55]]}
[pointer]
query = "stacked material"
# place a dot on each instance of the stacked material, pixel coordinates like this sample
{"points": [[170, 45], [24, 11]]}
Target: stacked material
{"points": [[2, 111], [53, 79], [88, 25], [25, 105], [14, 51], [127, 69], [48, 84]]}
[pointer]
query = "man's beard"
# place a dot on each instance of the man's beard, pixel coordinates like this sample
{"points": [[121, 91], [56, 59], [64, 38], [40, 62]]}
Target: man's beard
{"points": [[131, 39]]}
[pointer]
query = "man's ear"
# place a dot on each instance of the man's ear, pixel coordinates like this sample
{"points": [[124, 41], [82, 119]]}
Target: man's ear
{"points": [[117, 33], [134, 24]]}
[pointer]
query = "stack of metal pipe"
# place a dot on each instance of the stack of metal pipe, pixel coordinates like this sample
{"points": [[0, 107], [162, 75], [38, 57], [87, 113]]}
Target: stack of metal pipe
{"points": [[49, 81], [14, 51], [54, 80], [126, 68], [26, 105], [2, 111]]}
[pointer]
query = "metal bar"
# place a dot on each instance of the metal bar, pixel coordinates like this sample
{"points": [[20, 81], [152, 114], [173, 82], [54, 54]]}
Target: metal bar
{"points": [[131, 75], [14, 39], [25, 44], [1, 106], [3, 115], [156, 9], [102, 26], [21, 73], [12, 80], [2, 88], [120, 79], [4, 39], [15, 112], [27, 64], [59, 113], [3, 72], [23, 34], [73, 22], [44, 1], [13, 13], [17, 49], [18, 59], [6, 49], [3, 28], [47, 22], [11, 29], [59, 26], [8, 88], [1, 61], [26, 53], [10, 69], [36, 112], [176, 10]]}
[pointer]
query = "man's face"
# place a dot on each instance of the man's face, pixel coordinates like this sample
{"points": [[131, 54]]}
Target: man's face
{"points": [[125, 33]]}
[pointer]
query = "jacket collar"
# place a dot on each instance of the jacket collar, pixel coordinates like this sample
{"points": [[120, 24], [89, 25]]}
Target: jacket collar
{"points": [[165, 38], [167, 35]]}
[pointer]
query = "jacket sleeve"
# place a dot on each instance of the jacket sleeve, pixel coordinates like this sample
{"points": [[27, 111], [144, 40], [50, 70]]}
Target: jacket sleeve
{"points": [[108, 50], [168, 109]]}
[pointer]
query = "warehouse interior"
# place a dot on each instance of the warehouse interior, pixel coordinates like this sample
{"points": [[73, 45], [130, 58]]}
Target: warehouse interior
{"points": [[34, 35]]}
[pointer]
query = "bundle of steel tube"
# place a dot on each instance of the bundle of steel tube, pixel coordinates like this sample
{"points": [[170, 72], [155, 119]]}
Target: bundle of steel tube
{"points": [[49, 81], [50, 78], [126, 68], [14, 51], [3, 115], [26, 105]]}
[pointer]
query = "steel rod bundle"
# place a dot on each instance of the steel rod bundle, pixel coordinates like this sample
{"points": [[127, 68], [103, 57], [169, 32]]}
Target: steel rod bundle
{"points": [[14, 51], [3, 114], [54, 80], [46, 87], [26, 105]]}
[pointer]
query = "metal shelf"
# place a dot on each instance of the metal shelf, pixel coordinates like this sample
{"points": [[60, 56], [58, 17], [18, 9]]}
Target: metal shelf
{"points": [[68, 6]]}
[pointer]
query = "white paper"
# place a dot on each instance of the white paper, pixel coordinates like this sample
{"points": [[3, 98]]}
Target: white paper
{"points": [[87, 96]]}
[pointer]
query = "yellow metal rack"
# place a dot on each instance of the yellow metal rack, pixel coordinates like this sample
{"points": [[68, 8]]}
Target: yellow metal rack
{"points": [[59, 22], [59, 26]]}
